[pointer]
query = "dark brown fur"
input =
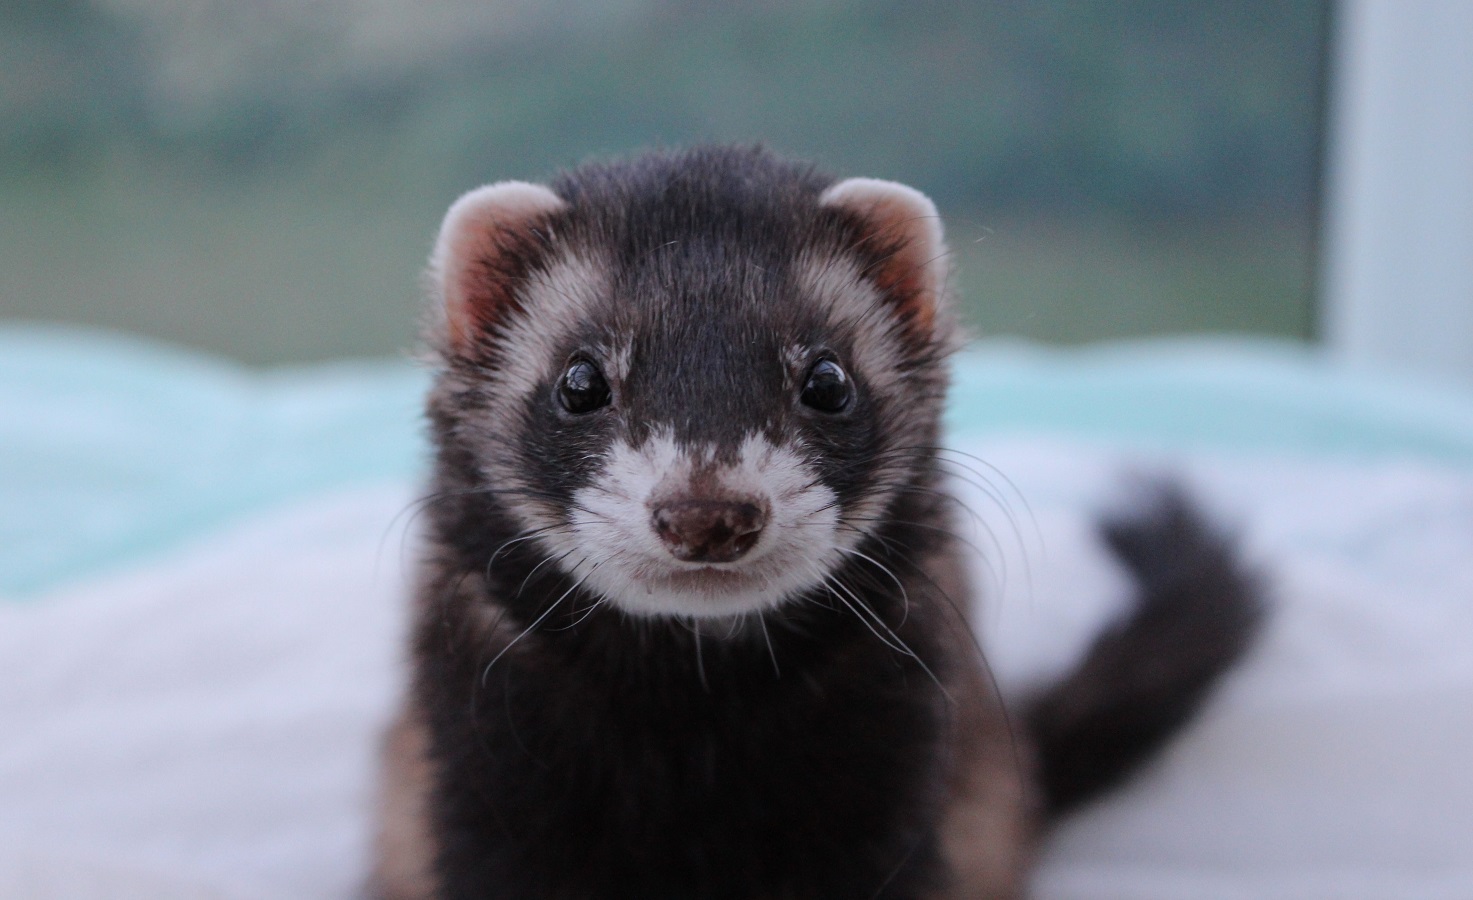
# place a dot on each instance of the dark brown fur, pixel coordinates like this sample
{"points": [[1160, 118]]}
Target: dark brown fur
{"points": [[830, 754]]}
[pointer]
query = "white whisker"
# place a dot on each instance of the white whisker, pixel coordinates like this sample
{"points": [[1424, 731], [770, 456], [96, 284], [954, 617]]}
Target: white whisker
{"points": [[538, 621]]}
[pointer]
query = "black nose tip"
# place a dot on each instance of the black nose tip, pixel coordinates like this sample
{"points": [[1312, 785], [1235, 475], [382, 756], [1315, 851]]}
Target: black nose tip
{"points": [[709, 530]]}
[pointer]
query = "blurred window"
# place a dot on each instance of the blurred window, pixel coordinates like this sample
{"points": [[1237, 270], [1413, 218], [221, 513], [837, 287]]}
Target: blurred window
{"points": [[263, 177]]}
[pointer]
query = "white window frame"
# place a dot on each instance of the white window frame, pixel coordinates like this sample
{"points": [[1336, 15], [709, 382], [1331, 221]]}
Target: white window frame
{"points": [[1397, 264]]}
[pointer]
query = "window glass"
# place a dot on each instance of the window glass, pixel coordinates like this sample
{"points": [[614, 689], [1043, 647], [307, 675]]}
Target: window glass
{"points": [[263, 177]]}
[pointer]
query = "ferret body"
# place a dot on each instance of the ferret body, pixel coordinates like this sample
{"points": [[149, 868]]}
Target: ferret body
{"points": [[691, 621]]}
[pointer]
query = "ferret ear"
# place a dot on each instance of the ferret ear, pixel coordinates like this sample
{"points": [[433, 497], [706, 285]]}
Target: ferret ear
{"points": [[488, 242], [900, 226]]}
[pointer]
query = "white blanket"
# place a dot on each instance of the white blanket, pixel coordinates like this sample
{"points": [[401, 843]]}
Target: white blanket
{"points": [[205, 724]]}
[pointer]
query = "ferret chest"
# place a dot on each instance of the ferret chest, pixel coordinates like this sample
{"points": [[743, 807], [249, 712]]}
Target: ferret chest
{"points": [[749, 785]]}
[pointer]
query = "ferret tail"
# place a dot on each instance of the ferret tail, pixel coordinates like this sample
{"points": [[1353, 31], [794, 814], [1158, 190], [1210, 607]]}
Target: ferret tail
{"points": [[1196, 614]]}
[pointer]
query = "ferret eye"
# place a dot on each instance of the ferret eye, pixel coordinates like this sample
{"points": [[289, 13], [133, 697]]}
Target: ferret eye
{"points": [[583, 388], [828, 388]]}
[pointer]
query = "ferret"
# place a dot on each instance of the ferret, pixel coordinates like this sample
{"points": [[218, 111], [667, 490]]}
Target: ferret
{"points": [[691, 621]]}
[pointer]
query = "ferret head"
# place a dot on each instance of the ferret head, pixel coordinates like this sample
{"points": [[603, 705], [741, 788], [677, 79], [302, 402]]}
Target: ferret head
{"points": [[697, 381]]}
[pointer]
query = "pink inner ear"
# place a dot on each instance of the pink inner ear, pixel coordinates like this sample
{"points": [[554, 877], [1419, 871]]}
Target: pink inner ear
{"points": [[903, 276], [487, 243], [903, 225]]}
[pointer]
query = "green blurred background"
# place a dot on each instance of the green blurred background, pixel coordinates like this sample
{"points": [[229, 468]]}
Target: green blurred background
{"points": [[262, 178]]}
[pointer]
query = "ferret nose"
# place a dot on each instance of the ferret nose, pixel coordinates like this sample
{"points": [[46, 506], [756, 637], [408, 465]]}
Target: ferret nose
{"points": [[712, 531]]}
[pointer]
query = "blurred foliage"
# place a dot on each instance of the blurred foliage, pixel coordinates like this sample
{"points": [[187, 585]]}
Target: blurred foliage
{"points": [[1081, 124]]}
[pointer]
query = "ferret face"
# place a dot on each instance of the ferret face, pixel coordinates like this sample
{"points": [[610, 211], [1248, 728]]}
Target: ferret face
{"points": [[696, 381]]}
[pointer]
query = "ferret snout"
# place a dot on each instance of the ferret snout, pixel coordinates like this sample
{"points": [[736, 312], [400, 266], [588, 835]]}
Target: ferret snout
{"points": [[709, 531]]}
